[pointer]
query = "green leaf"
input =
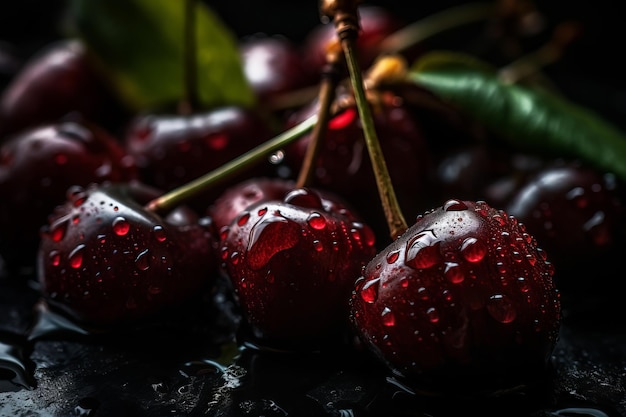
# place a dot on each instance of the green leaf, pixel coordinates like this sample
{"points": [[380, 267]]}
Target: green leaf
{"points": [[139, 44], [530, 118]]}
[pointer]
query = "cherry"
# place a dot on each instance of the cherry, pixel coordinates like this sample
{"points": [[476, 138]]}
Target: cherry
{"points": [[463, 301], [343, 165], [293, 264], [577, 213], [104, 260], [171, 150], [58, 81], [273, 66], [37, 166]]}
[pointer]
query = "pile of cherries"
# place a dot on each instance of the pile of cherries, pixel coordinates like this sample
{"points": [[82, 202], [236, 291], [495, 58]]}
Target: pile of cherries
{"points": [[469, 295]]}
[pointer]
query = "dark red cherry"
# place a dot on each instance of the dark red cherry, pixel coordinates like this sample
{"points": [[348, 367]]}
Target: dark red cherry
{"points": [[104, 260], [292, 264], [578, 214], [273, 66], [37, 167], [343, 164], [58, 81], [171, 150], [463, 301]]}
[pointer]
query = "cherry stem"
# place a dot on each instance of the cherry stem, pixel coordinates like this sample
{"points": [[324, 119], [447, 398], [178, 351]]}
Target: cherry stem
{"points": [[435, 24], [190, 101], [345, 17], [171, 199], [329, 79]]}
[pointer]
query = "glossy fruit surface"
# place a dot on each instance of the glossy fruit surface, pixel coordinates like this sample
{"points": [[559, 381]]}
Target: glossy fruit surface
{"points": [[578, 215], [57, 82], [105, 260], [293, 264], [38, 166], [273, 65], [171, 150], [463, 301]]}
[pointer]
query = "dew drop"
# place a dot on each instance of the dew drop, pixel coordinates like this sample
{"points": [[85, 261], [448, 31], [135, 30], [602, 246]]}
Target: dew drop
{"points": [[270, 236], [55, 258], [262, 211], [317, 245], [143, 260], [369, 291], [454, 205], [473, 250], [500, 308], [453, 273], [243, 219], [57, 232], [393, 256], [316, 221], [120, 226], [433, 315], [76, 256], [159, 233], [422, 251], [389, 320]]}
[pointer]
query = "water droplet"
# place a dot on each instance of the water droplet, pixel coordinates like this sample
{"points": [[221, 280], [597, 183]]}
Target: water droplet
{"points": [[422, 251], [369, 291], [143, 260], [433, 315], [120, 226], [304, 197], [316, 221], [500, 308], [317, 245], [76, 256], [454, 205], [270, 236], [243, 219], [55, 258], [453, 273], [262, 211], [473, 250], [57, 231], [389, 320], [393, 256], [159, 233]]}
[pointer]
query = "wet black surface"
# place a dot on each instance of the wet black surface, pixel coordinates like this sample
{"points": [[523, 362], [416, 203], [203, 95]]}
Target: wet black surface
{"points": [[190, 364]]}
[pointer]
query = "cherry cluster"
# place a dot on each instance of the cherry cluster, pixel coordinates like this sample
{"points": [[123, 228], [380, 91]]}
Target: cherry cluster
{"points": [[468, 292]]}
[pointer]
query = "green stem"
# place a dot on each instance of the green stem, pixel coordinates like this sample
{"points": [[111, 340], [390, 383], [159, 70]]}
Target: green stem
{"points": [[181, 194], [345, 17]]}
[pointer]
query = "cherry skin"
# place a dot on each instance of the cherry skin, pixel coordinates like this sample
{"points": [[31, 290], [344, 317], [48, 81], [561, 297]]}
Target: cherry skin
{"points": [[578, 214], [273, 65], [58, 81], [292, 264], [106, 261], [171, 150], [463, 302], [37, 167]]}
